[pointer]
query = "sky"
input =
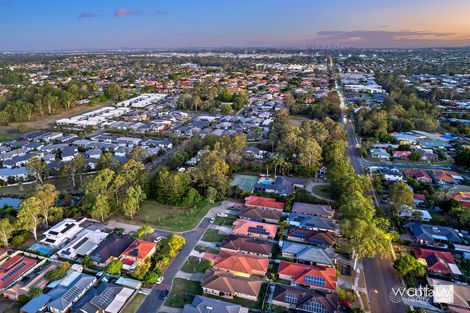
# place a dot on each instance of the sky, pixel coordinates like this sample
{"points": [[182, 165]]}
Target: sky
{"points": [[111, 24]]}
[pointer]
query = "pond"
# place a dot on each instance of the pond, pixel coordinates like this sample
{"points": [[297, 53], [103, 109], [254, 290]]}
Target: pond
{"points": [[10, 201]]}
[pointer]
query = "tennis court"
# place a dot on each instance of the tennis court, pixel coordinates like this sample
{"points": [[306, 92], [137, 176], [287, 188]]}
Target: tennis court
{"points": [[245, 182]]}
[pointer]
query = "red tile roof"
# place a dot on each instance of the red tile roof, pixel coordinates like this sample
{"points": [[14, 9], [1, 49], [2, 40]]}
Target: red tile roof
{"points": [[13, 268], [262, 202], [242, 264], [437, 261], [139, 249], [300, 271], [250, 228]]}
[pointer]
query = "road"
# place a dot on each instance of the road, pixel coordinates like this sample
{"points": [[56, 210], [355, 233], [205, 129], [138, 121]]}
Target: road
{"points": [[379, 273], [152, 302]]}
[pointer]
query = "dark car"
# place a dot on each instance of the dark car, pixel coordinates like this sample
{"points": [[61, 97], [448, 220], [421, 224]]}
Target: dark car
{"points": [[163, 294]]}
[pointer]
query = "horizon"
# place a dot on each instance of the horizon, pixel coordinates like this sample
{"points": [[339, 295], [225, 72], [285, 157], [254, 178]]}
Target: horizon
{"points": [[208, 24]]}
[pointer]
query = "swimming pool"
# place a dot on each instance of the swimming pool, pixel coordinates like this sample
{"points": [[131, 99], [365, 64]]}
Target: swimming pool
{"points": [[39, 247]]}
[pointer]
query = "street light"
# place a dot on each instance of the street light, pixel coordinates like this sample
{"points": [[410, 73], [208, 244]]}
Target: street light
{"points": [[368, 294]]}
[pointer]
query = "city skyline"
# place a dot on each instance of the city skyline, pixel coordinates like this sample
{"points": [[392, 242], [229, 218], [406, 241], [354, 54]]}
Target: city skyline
{"points": [[68, 25]]}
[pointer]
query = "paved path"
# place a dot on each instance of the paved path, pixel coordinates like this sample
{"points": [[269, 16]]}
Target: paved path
{"points": [[190, 276], [314, 184]]}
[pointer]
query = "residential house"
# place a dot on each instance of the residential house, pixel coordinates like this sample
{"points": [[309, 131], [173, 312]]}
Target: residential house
{"points": [[428, 234], [308, 254], [321, 210], [401, 154], [18, 173], [247, 246], [110, 248], [260, 215], [304, 300], [313, 276], [311, 222], [419, 175], [410, 213], [255, 153], [264, 203], [418, 199], [137, 252], [13, 268], [202, 304], [222, 284], [254, 229], [68, 153], [311, 237], [280, 185], [441, 262], [379, 153], [463, 197], [443, 177], [84, 243], [61, 232], [461, 295], [242, 264]]}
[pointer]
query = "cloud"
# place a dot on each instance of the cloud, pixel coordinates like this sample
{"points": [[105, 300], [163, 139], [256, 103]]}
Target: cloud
{"points": [[125, 12], [160, 12], [389, 39], [86, 15]]}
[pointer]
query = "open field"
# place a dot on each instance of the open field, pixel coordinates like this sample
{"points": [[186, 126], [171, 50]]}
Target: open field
{"points": [[183, 292], [167, 217]]}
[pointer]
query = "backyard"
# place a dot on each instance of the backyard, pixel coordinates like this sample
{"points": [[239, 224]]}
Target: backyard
{"points": [[183, 292], [166, 217]]}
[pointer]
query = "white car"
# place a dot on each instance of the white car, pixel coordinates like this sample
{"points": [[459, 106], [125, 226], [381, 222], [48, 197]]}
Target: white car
{"points": [[159, 280], [157, 239], [222, 215], [212, 220]]}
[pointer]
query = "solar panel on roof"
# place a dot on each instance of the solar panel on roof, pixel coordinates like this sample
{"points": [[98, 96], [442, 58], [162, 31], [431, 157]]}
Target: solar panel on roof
{"points": [[258, 230], [78, 244], [431, 259]]}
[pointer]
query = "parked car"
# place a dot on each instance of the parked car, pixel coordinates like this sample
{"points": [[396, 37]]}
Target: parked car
{"points": [[212, 220], [163, 294], [157, 239], [222, 215], [159, 280]]}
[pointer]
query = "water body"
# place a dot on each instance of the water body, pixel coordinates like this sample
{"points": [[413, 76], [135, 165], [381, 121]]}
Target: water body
{"points": [[9, 201]]}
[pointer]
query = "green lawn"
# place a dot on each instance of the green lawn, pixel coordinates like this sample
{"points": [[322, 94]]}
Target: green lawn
{"points": [[166, 217], [225, 221], [134, 305], [438, 218], [206, 249], [195, 265], [183, 292], [211, 235], [322, 190], [296, 120]]}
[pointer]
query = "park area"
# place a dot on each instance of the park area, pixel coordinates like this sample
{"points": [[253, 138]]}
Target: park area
{"points": [[167, 217], [245, 182]]}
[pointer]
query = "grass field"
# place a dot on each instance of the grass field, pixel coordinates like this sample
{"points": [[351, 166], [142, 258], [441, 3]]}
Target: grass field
{"points": [[134, 305], [211, 235], [296, 120], [245, 182], [195, 265], [183, 292], [166, 217]]}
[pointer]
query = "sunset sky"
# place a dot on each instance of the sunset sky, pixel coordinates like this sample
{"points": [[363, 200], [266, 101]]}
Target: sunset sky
{"points": [[94, 24]]}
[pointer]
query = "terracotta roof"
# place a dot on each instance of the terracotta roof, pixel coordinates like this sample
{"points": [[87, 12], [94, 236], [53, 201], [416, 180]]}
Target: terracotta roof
{"points": [[14, 267], [245, 228], [248, 245], [228, 283], [139, 249], [242, 264], [269, 203], [299, 272]]}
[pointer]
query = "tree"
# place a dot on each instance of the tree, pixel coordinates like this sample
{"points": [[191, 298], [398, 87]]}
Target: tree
{"points": [[87, 261], [114, 267], [58, 273], [131, 203], [28, 217], [401, 194], [144, 230], [414, 156], [175, 243], [338, 169], [212, 171], [142, 268], [310, 156], [211, 195], [356, 205], [364, 239], [73, 168], [171, 187], [47, 194], [6, 230], [409, 264], [101, 208], [151, 278], [36, 167]]}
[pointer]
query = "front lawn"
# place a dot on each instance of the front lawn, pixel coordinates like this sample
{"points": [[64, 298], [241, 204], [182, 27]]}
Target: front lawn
{"points": [[183, 292], [211, 235], [225, 221], [206, 249], [196, 265], [167, 217]]}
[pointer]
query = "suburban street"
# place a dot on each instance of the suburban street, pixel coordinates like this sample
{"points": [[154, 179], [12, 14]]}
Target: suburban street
{"points": [[152, 302], [379, 273]]}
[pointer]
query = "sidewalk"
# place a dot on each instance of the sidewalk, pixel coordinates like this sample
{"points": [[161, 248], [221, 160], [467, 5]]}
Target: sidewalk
{"points": [[190, 276]]}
